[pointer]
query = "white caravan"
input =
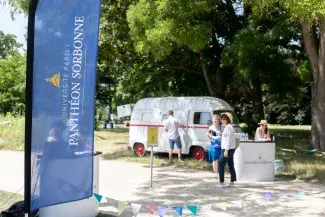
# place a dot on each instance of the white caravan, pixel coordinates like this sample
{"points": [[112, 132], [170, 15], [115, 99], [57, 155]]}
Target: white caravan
{"points": [[194, 112]]}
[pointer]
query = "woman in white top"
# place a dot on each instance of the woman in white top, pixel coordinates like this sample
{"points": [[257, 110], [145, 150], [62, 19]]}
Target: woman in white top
{"points": [[214, 134], [262, 132], [228, 147]]}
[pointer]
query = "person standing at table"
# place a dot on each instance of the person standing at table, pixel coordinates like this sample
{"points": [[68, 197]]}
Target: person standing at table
{"points": [[228, 147], [214, 134], [171, 126], [262, 132]]}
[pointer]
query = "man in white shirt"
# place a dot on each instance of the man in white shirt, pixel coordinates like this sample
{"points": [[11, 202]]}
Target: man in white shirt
{"points": [[171, 127]]}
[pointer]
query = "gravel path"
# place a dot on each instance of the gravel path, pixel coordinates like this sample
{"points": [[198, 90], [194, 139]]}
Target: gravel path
{"points": [[173, 186]]}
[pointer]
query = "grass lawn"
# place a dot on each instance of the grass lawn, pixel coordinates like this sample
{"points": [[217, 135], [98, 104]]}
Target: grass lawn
{"points": [[112, 142], [7, 199], [300, 165], [12, 133]]}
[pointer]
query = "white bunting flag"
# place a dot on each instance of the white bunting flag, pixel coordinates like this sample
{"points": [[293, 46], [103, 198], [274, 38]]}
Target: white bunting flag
{"points": [[135, 208]]}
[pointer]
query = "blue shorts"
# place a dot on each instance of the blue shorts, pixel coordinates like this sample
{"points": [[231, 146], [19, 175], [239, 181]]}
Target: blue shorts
{"points": [[176, 141]]}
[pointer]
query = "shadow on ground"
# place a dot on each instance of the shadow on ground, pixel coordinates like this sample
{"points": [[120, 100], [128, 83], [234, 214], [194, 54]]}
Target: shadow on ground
{"points": [[182, 187]]}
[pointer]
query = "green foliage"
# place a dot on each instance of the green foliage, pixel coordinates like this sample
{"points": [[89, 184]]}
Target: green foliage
{"points": [[301, 10], [12, 84], [150, 48], [305, 72], [264, 49], [17, 6], [157, 26], [263, 55], [8, 45], [133, 76], [198, 29], [12, 75], [290, 109]]}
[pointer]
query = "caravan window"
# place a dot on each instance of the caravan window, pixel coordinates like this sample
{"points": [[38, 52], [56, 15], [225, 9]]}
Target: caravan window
{"points": [[202, 118], [151, 117]]}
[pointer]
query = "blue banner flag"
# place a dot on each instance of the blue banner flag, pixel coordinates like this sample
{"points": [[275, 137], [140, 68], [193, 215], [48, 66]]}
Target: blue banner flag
{"points": [[64, 77]]}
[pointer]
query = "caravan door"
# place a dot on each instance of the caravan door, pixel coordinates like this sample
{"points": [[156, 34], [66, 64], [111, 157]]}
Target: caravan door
{"points": [[198, 127]]}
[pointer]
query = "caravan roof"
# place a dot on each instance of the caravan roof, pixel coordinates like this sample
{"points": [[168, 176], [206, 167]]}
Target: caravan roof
{"points": [[181, 103]]}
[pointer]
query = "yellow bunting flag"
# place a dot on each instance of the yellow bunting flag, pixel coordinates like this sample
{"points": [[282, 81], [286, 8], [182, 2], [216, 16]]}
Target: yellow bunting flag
{"points": [[121, 206], [222, 206]]}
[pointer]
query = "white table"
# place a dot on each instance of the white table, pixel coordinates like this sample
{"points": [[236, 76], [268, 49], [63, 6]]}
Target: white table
{"points": [[254, 161]]}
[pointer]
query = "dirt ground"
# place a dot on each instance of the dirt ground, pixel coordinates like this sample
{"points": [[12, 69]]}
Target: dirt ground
{"points": [[181, 187], [130, 182], [172, 186]]}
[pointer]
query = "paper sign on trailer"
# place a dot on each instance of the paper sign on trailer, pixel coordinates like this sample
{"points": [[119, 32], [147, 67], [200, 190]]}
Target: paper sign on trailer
{"points": [[152, 137]]}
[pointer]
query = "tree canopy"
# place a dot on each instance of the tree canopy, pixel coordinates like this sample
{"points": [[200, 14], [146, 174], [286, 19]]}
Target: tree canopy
{"points": [[265, 57], [12, 75]]}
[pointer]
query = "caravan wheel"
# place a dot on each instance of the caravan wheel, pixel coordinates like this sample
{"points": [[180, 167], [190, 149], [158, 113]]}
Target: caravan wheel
{"points": [[139, 149], [198, 153]]}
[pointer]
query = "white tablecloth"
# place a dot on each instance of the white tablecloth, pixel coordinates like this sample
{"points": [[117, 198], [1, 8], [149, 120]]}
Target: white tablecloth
{"points": [[254, 161]]}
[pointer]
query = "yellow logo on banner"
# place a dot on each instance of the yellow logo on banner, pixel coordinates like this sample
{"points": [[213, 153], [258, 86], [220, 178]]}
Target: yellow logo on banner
{"points": [[152, 136], [55, 80]]}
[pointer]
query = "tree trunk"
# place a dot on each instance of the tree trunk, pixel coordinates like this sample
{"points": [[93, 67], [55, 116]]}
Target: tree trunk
{"points": [[211, 87], [316, 54], [318, 111], [256, 87]]}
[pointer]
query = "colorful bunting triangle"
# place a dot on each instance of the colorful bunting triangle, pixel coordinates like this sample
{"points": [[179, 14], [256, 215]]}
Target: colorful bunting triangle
{"points": [[267, 196], [135, 208], [104, 200], [162, 210], [283, 196], [206, 208], [301, 195], [222, 206], [193, 210], [151, 209], [98, 197], [111, 202], [121, 206], [178, 210]]}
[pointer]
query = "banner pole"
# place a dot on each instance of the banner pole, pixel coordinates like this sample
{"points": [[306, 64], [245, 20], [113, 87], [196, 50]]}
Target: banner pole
{"points": [[151, 165], [29, 105]]}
